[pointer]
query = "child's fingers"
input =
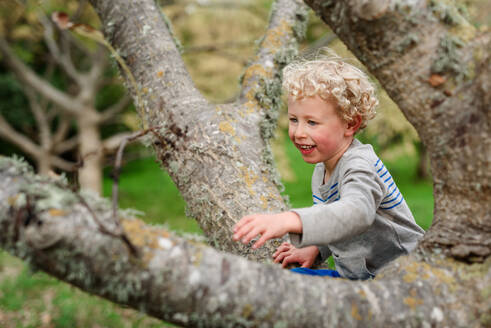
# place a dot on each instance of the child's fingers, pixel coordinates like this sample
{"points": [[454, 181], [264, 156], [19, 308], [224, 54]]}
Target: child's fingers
{"points": [[242, 222], [264, 238], [282, 248], [281, 256], [253, 233], [243, 231], [289, 259]]}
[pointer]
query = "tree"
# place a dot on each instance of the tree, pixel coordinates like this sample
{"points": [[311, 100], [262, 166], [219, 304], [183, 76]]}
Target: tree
{"points": [[218, 156], [55, 110]]}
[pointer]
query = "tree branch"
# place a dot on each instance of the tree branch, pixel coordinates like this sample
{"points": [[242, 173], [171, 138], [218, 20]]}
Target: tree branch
{"points": [[60, 135], [148, 34], [41, 119], [62, 58], [191, 284], [26, 75], [18, 139], [66, 145], [279, 46], [62, 164], [118, 107], [112, 143]]}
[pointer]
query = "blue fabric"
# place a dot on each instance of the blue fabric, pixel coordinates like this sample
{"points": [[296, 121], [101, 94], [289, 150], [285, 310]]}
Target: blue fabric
{"points": [[318, 272]]}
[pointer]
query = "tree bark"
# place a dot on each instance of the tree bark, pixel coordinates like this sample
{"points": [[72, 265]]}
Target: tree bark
{"points": [[216, 154], [75, 238], [435, 66]]}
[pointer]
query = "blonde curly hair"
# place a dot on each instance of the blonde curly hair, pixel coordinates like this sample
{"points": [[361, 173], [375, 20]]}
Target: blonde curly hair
{"points": [[330, 78]]}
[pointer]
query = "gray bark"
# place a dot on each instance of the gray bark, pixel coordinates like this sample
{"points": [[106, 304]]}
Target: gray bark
{"points": [[215, 154], [76, 239]]}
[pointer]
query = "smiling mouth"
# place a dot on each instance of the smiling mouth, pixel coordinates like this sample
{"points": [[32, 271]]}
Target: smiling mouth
{"points": [[306, 149]]}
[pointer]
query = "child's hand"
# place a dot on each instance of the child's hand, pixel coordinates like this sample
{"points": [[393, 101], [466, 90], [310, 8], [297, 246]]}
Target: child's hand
{"points": [[267, 225], [287, 253]]}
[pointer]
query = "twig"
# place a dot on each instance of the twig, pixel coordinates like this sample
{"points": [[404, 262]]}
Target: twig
{"points": [[119, 234], [117, 166]]}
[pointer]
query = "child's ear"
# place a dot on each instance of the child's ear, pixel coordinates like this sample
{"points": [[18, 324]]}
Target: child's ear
{"points": [[353, 126]]}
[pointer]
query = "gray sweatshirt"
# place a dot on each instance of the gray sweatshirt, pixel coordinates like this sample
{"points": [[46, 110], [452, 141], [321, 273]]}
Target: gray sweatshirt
{"points": [[359, 216]]}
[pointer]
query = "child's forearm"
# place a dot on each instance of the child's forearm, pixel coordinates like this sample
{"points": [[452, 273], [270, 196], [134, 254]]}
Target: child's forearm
{"points": [[293, 222]]}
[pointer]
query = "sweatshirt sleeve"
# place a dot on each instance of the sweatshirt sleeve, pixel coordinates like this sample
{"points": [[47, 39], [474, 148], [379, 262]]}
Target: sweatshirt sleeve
{"points": [[361, 192]]}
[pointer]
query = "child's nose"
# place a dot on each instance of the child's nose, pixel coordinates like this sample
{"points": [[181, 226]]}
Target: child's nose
{"points": [[300, 131]]}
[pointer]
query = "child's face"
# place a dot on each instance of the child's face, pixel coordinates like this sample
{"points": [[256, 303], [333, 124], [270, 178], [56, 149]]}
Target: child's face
{"points": [[317, 131]]}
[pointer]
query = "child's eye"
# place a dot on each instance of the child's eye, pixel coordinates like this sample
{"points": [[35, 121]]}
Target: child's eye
{"points": [[311, 122], [293, 120]]}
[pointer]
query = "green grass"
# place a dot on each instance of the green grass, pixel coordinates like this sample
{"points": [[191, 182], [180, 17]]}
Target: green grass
{"points": [[34, 299], [146, 187]]}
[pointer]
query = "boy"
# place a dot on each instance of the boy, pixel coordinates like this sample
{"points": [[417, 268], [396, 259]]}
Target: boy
{"points": [[359, 216]]}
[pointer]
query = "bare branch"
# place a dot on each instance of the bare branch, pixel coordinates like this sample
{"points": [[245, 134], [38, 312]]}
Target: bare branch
{"points": [[66, 145], [26, 75], [117, 108], [62, 58], [18, 139], [61, 131], [113, 142], [117, 166], [279, 46], [40, 117], [62, 164]]}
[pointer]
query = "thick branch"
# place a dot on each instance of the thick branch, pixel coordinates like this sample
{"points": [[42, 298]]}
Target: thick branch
{"points": [[139, 32], [76, 239]]}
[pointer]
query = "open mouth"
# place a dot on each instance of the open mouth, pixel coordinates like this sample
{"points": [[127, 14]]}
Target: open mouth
{"points": [[306, 149]]}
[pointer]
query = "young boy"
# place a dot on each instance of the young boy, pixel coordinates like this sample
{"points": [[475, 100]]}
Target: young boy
{"points": [[359, 216]]}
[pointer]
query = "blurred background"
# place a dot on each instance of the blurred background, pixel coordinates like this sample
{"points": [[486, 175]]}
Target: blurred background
{"points": [[46, 72]]}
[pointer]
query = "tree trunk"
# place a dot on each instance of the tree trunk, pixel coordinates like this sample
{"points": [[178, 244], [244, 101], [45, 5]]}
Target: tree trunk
{"points": [[43, 163], [90, 150]]}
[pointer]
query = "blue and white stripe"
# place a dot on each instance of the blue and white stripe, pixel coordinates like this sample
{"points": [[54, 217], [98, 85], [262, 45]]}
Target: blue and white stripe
{"points": [[333, 191], [394, 196]]}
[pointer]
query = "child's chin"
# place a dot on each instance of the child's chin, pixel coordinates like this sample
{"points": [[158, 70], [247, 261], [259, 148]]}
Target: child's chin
{"points": [[310, 160]]}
